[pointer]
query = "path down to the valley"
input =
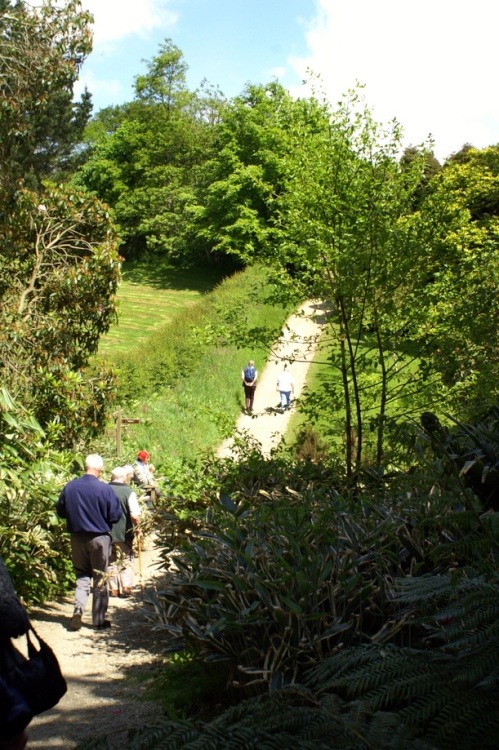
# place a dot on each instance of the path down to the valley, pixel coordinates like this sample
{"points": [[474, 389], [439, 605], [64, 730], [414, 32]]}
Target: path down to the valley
{"points": [[97, 664], [101, 699], [297, 346]]}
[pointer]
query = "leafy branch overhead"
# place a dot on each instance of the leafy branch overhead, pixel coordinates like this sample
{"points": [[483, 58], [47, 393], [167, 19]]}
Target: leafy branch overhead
{"points": [[59, 266]]}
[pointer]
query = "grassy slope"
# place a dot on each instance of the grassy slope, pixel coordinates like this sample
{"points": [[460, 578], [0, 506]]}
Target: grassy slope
{"points": [[193, 416], [150, 295], [330, 422], [198, 412]]}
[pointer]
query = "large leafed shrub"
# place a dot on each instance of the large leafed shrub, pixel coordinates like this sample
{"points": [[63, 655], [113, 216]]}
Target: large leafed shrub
{"points": [[32, 543]]}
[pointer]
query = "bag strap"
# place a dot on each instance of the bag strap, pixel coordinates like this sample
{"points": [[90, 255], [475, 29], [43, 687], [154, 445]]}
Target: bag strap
{"points": [[32, 650]]}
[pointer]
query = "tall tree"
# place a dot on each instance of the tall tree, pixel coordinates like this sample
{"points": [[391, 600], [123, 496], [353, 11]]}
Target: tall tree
{"points": [[59, 272], [244, 176], [165, 80], [460, 328], [342, 223], [147, 169], [59, 266], [41, 52], [410, 276], [431, 167]]}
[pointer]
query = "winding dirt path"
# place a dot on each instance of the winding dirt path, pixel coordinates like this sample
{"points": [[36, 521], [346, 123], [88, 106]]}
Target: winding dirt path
{"points": [[96, 664], [297, 345]]}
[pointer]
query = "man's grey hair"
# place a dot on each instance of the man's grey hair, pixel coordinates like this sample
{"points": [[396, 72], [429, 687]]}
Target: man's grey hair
{"points": [[94, 461], [129, 470], [118, 474]]}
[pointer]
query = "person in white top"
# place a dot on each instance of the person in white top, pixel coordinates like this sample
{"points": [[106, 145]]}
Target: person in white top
{"points": [[285, 388], [143, 470], [120, 580]]}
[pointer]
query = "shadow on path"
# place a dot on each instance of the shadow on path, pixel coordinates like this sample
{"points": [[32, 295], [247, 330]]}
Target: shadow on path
{"points": [[107, 671]]}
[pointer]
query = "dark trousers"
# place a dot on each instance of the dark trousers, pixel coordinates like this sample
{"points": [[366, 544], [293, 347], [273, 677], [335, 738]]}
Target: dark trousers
{"points": [[249, 392], [90, 555]]}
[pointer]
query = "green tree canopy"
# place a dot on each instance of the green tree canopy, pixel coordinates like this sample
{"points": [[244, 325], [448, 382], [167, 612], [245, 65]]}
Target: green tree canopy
{"points": [[410, 290], [41, 52], [59, 266], [146, 166], [244, 177]]}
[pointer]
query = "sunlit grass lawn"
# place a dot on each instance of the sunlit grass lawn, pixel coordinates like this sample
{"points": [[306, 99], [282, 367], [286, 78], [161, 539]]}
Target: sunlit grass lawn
{"points": [[150, 295], [329, 423]]}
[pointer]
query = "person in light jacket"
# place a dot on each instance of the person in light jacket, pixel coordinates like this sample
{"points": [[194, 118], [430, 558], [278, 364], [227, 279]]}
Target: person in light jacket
{"points": [[285, 387]]}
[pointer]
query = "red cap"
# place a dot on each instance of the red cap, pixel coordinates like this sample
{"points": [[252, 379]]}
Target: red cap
{"points": [[143, 455]]}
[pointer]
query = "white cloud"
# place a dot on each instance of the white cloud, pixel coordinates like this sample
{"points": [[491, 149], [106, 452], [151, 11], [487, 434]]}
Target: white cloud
{"points": [[432, 66], [106, 88], [115, 19], [278, 73]]}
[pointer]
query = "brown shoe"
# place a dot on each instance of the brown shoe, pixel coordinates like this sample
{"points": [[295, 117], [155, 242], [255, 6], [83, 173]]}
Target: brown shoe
{"points": [[114, 592], [126, 592], [75, 622]]}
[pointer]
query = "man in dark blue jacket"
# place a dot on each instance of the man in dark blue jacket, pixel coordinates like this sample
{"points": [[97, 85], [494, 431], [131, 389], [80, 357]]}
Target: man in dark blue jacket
{"points": [[90, 508]]}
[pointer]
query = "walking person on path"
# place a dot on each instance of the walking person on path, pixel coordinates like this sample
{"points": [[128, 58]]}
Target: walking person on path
{"points": [[249, 377], [123, 532], [285, 388], [90, 508]]}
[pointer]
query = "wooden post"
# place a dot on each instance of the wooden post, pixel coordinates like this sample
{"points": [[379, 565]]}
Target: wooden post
{"points": [[120, 420], [118, 416]]}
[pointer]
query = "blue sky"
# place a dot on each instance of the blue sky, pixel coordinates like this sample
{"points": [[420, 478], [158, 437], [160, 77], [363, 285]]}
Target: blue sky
{"points": [[432, 65]]}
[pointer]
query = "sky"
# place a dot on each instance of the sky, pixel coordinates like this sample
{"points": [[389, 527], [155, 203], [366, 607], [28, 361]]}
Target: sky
{"points": [[432, 65]]}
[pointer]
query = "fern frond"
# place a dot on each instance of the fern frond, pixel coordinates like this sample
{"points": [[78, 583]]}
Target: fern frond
{"points": [[456, 725]]}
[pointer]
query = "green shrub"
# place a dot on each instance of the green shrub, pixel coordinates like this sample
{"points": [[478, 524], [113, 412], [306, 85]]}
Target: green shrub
{"points": [[32, 541], [184, 687], [273, 584], [295, 563]]}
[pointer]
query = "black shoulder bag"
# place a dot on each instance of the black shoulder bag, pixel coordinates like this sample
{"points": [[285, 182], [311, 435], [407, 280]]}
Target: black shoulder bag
{"points": [[38, 678]]}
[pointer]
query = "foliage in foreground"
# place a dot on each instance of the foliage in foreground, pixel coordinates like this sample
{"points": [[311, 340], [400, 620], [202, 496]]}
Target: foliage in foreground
{"points": [[438, 694], [292, 565], [35, 552], [362, 619], [273, 584]]}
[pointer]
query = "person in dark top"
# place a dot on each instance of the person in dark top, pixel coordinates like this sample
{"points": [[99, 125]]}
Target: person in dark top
{"points": [[123, 533], [249, 377], [15, 713], [90, 508]]}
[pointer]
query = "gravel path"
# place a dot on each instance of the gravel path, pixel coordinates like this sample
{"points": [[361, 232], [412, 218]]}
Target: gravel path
{"points": [[96, 664], [297, 345]]}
